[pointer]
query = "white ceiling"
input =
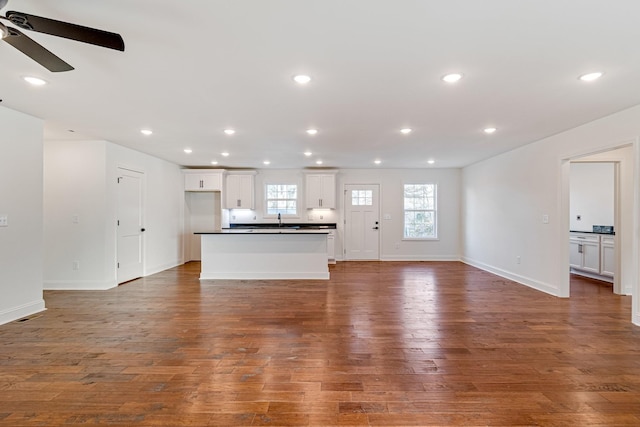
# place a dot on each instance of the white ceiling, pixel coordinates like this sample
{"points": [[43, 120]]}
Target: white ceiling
{"points": [[193, 68]]}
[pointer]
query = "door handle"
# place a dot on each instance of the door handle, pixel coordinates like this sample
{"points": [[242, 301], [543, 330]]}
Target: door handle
{"points": [[375, 228], [142, 230]]}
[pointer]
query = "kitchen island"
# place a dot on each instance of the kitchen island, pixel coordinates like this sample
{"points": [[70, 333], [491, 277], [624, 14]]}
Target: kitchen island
{"points": [[274, 253]]}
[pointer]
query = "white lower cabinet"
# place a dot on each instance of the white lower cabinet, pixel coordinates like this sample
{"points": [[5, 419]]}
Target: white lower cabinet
{"points": [[331, 247], [592, 253], [607, 256]]}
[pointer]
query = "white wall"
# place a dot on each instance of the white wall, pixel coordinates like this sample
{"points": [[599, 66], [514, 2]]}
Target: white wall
{"points": [[391, 181], [81, 211], [591, 195], [505, 197], [21, 201]]}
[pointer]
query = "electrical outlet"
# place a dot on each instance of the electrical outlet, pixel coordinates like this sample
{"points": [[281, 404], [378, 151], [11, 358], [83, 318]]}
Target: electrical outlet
{"points": [[4, 220], [75, 218], [545, 219], [76, 265], [518, 259]]}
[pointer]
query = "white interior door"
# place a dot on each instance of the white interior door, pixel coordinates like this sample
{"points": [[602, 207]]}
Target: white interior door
{"points": [[129, 224], [362, 222]]}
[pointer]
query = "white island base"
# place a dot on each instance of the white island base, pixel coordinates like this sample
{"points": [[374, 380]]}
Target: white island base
{"points": [[249, 255]]}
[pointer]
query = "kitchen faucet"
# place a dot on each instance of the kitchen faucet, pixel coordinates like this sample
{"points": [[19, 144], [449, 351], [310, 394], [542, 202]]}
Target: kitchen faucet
{"points": [[279, 220]]}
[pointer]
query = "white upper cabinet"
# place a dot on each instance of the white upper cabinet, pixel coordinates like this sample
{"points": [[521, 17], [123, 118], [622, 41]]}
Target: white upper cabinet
{"points": [[321, 191], [202, 180], [240, 191]]}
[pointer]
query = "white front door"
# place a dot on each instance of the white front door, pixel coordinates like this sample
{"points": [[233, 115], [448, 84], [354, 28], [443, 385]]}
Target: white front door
{"points": [[129, 224], [362, 222]]}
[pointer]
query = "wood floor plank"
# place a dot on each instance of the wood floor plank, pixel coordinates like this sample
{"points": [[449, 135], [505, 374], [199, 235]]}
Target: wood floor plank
{"points": [[380, 343]]}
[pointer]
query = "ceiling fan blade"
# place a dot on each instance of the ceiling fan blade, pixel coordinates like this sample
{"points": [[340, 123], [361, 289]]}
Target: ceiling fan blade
{"points": [[67, 30], [35, 51]]}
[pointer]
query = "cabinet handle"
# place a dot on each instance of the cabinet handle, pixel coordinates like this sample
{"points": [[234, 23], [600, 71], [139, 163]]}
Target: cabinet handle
{"points": [[579, 249], [238, 203], [320, 202], [201, 183]]}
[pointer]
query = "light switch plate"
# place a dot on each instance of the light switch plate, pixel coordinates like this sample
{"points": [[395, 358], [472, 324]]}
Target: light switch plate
{"points": [[4, 221], [545, 219]]}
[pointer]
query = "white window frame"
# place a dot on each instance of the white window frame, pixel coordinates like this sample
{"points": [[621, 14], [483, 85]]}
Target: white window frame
{"points": [[266, 200], [434, 210]]}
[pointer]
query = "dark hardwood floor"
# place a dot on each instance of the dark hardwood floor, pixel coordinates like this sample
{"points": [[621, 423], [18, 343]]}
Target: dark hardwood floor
{"points": [[381, 343]]}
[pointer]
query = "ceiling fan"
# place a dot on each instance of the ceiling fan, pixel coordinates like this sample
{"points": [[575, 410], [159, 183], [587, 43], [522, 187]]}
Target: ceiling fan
{"points": [[39, 53]]}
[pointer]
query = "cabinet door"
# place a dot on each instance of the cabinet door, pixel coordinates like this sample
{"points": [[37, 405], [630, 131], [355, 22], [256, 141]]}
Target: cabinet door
{"points": [[328, 195], [212, 182], [321, 191], [608, 261], [575, 254], [331, 247], [202, 181], [591, 257], [314, 191], [193, 182], [240, 192]]}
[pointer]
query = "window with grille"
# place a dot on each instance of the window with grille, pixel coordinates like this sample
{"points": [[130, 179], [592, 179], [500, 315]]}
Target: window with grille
{"points": [[420, 211], [282, 199], [361, 197]]}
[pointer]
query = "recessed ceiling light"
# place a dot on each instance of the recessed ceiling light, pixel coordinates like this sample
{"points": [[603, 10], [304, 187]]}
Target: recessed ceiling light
{"points": [[318, 162], [308, 153], [589, 77], [229, 131], [214, 162], [312, 131], [188, 150], [490, 130], [267, 162], [146, 132], [431, 161], [452, 78], [34, 81], [302, 79], [406, 131], [225, 154], [377, 162]]}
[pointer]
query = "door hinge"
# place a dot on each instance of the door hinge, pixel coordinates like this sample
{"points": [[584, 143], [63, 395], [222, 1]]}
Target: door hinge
{"points": [[118, 265], [119, 178], [118, 222]]}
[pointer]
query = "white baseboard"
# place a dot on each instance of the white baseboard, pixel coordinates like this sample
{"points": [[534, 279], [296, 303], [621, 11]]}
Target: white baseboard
{"points": [[21, 311], [420, 258], [78, 285], [527, 281], [159, 268]]}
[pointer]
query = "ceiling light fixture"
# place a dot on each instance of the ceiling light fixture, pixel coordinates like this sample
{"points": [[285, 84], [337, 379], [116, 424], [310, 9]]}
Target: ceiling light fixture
{"points": [[224, 154], [318, 162], [267, 162], [377, 162], [35, 81], [302, 79], [312, 131], [188, 150], [308, 153], [214, 162], [589, 77], [452, 78], [490, 130], [229, 131], [146, 132], [406, 131], [431, 161]]}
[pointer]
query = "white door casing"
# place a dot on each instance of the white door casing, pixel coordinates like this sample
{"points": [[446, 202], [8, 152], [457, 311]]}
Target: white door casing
{"points": [[129, 225], [362, 221]]}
